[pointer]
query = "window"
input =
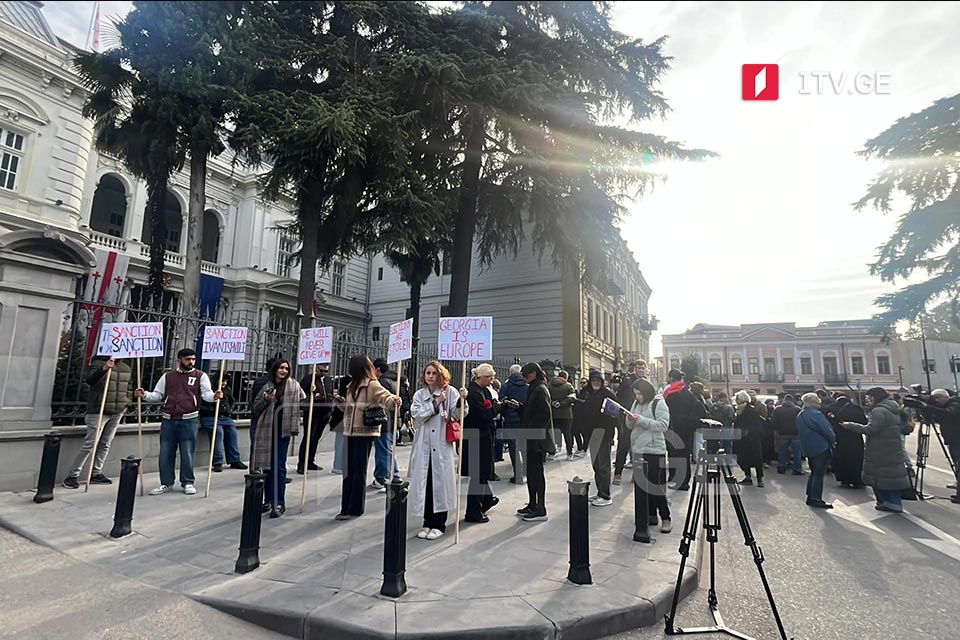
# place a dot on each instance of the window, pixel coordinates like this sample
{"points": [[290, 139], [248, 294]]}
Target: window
{"points": [[210, 249], [11, 157], [285, 250], [856, 365], [770, 392], [883, 365], [954, 364], [336, 278], [716, 369], [770, 366], [736, 366], [109, 209], [930, 366], [830, 365], [376, 338], [674, 363], [379, 277], [447, 263], [754, 365], [788, 366], [806, 366], [589, 316]]}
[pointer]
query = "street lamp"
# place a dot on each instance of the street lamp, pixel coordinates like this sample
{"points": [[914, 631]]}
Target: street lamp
{"points": [[954, 360], [900, 372]]}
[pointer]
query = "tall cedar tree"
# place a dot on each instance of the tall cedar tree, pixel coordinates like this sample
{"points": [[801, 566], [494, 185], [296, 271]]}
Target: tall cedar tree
{"points": [[923, 155]]}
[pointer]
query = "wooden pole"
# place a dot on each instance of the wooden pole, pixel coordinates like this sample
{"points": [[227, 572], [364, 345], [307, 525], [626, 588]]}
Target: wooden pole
{"points": [[140, 428], [463, 405], [213, 434], [96, 439], [306, 443], [396, 422]]}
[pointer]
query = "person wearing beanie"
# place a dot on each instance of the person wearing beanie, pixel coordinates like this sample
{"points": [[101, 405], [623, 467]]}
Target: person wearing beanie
{"points": [[648, 420], [180, 391], [601, 428]]}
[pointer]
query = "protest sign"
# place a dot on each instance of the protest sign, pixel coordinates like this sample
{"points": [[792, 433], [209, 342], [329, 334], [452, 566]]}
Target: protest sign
{"points": [[316, 345], [466, 338], [131, 340], [401, 341], [224, 343]]}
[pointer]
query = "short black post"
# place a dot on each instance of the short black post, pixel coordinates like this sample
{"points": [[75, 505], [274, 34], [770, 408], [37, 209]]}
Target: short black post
{"points": [[126, 494], [579, 572], [249, 558], [395, 540], [641, 502], [48, 467]]}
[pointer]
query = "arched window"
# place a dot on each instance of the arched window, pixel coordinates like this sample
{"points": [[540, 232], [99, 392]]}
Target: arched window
{"points": [[109, 210], [211, 237], [173, 215]]}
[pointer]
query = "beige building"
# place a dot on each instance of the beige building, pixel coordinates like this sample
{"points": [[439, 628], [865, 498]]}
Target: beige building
{"points": [[773, 358]]}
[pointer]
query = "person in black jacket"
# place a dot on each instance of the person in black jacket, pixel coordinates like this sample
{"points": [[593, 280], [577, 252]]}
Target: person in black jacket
{"points": [[847, 458], [683, 410], [784, 423], [945, 410], [536, 423], [601, 428], [749, 448], [322, 408], [625, 399], [477, 444], [227, 438]]}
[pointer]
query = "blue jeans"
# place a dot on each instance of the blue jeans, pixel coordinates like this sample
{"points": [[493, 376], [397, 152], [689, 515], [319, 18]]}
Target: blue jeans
{"points": [[383, 446], [275, 486], [226, 436], [818, 467], [338, 450], [889, 498], [177, 434], [785, 442]]}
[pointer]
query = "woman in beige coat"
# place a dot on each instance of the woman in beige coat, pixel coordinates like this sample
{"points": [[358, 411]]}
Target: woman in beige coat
{"points": [[360, 427]]}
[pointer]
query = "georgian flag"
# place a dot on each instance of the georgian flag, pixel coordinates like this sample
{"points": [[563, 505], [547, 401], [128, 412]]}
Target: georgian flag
{"points": [[103, 291]]}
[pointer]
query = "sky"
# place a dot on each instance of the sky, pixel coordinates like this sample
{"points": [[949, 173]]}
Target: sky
{"points": [[766, 232]]}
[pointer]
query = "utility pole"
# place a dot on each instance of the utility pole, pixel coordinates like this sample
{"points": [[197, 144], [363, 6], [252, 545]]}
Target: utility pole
{"points": [[900, 372], [954, 360], [926, 367]]}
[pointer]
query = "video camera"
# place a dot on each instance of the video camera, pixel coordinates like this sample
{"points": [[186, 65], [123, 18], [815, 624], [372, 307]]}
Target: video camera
{"points": [[917, 399]]}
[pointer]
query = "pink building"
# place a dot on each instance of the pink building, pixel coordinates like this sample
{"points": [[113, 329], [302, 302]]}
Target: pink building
{"points": [[778, 357]]}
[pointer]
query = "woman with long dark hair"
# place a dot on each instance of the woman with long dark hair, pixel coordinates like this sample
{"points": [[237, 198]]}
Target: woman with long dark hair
{"points": [[278, 407], [536, 422], [362, 422]]}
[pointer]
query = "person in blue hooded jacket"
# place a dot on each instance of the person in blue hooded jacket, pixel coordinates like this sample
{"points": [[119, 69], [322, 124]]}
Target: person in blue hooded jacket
{"points": [[513, 389], [816, 440]]}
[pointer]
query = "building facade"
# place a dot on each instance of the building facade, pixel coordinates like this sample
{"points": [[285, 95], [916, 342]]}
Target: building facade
{"points": [[780, 357], [942, 362]]}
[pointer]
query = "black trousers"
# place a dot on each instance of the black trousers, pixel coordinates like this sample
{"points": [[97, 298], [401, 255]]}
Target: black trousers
{"points": [[315, 432], [477, 454], [432, 519], [536, 482], [623, 448], [565, 425], [600, 441], [656, 485], [355, 475]]}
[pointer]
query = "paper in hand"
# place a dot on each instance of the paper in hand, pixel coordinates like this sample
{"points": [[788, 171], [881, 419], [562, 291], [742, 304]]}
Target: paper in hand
{"points": [[611, 408]]}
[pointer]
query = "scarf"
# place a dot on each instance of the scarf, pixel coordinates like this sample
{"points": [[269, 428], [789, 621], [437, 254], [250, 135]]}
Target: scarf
{"points": [[741, 407], [674, 387], [289, 423]]}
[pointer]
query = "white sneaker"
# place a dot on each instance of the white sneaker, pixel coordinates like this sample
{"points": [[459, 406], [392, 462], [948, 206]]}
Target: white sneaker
{"points": [[602, 502], [628, 465], [570, 457], [434, 534], [159, 490], [423, 533], [666, 526], [592, 498], [189, 489]]}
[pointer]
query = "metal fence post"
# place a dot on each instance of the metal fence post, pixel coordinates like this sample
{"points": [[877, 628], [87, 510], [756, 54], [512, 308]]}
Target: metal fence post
{"points": [[126, 494], [395, 540], [249, 558], [48, 467], [579, 572], [641, 502]]}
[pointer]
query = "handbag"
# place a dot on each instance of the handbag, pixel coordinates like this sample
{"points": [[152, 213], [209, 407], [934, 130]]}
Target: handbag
{"points": [[453, 430], [375, 416]]}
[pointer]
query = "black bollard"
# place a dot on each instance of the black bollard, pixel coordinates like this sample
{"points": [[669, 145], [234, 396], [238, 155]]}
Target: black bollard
{"points": [[579, 572], [641, 502], [249, 558], [395, 540], [48, 467], [126, 494]]}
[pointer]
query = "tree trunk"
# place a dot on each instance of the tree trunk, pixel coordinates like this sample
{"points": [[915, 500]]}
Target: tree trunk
{"points": [[194, 248], [466, 222], [156, 195], [416, 286], [309, 215]]}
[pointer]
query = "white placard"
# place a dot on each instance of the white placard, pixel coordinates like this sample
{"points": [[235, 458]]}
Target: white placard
{"points": [[224, 343], [316, 345], [131, 340], [401, 341], [466, 338]]}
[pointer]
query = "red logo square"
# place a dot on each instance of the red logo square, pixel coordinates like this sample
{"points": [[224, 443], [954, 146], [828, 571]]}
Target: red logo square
{"points": [[761, 81]]}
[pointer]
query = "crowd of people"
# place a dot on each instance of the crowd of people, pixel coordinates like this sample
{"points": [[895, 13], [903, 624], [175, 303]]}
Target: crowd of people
{"points": [[622, 423]]}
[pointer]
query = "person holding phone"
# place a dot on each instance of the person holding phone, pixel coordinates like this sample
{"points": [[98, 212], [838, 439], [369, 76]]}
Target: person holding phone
{"points": [[278, 406], [433, 460]]}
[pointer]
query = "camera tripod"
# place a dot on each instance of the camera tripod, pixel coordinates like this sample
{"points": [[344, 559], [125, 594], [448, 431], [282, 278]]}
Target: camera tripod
{"points": [[923, 452], [712, 465]]}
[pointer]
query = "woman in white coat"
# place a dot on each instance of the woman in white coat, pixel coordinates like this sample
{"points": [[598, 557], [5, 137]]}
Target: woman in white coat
{"points": [[433, 460]]}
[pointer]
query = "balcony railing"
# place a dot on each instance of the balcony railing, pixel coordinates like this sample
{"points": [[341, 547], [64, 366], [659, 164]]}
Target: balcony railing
{"points": [[119, 245], [108, 242], [771, 377], [717, 377], [835, 378]]}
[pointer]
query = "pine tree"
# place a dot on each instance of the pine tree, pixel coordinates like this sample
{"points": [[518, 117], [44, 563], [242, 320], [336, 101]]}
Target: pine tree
{"points": [[922, 152]]}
